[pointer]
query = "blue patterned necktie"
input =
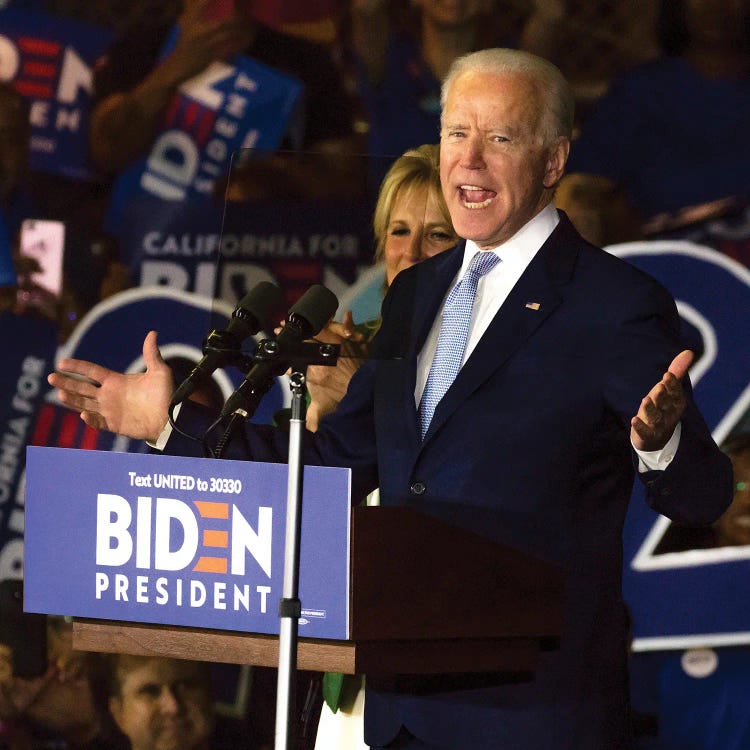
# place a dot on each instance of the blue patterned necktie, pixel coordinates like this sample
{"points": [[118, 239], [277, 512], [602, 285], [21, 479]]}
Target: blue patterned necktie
{"points": [[454, 332]]}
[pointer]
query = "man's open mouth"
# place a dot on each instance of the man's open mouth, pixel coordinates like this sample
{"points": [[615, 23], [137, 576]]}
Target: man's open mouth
{"points": [[473, 196]]}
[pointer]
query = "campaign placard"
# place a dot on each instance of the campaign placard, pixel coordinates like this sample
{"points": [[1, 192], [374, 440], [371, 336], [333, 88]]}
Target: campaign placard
{"points": [[231, 105], [684, 596], [291, 243], [27, 358], [182, 541], [50, 59]]}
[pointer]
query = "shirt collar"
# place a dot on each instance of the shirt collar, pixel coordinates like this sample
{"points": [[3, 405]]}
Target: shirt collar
{"points": [[524, 244]]}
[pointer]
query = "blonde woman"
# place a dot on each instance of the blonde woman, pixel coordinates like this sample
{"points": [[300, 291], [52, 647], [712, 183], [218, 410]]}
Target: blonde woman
{"points": [[410, 223]]}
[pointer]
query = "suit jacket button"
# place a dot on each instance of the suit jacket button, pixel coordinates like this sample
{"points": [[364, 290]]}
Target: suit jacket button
{"points": [[418, 488]]}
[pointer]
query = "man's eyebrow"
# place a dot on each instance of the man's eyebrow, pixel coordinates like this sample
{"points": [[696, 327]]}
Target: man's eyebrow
{"points": [[503, 129]]}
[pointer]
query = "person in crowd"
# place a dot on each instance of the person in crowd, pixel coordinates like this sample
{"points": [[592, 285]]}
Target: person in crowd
{"points": [[16, 205], [20, 199], [410, 222], [521, 381], [14, 158], [733, 526], [400, 62], [399, 79], [674, 121], [161, 703], [26, 193], [57, 709], [15, 134], [133, 86]]}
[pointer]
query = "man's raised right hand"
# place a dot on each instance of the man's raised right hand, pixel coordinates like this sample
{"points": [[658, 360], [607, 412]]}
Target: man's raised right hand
{"points": [[135, 405]]}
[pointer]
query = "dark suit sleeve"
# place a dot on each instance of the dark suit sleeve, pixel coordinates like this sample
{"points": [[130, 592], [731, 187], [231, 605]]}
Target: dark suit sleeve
{"points": [[696, 487]]}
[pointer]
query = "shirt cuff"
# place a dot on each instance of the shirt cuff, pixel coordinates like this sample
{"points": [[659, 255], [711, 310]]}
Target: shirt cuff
{"points": [[166, 433], [659, 460]]}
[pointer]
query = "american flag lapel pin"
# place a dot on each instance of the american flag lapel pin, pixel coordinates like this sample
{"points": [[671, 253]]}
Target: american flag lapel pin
{"points": [[533, 305]]}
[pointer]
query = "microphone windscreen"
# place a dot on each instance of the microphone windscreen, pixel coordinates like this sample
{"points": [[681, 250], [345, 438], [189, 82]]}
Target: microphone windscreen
{"points": [[255, 310], [315, 307]]}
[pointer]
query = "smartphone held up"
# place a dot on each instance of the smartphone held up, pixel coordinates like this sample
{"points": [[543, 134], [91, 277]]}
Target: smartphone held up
{"points": [[42, 243]]}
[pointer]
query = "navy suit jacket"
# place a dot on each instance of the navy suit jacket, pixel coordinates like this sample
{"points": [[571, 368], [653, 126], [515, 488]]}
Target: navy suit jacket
{"points": [[530, 446]]}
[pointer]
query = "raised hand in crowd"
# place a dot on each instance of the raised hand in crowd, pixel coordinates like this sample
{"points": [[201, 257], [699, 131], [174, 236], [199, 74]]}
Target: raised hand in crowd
{"points": [[661, 409], [204, 39], [133, 404], [123, 124]]}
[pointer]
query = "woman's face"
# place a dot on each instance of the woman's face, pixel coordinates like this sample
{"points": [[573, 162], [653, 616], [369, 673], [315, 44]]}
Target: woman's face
{"points": [[416, 230]]}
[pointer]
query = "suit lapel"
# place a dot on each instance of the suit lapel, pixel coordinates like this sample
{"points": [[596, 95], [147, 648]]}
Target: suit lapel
{"points": [[430, 281], [432, 286], [515, 321]]}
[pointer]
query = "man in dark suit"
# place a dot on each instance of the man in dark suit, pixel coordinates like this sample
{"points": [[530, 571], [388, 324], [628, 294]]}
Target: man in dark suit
{"points": [[571, 382]]}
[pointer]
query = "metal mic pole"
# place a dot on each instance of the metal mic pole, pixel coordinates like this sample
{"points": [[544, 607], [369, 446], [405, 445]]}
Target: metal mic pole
{"points": [[301, 354], [290, 608]]}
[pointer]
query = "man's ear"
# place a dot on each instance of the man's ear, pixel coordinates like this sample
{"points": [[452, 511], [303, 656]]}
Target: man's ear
{"points": [[556, 158]]}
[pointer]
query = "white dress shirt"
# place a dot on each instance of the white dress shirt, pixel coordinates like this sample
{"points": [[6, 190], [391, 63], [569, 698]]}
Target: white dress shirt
{"points": [[493, 288]]}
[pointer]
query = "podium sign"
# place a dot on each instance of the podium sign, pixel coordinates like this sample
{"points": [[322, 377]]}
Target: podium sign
{"points": [[182, 541]]}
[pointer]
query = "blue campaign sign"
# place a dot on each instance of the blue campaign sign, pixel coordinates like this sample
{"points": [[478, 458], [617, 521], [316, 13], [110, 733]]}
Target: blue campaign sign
{"points": [[50, 61], [294, 244], [227, 107], [690, 597], [182, 541], [28, 349]]}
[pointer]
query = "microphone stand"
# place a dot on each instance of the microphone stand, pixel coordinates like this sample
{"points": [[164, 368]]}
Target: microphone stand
{"points": [[290, 607], [299, 356]]}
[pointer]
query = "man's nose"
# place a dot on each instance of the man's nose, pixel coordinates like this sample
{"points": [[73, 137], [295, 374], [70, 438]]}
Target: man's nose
{"points": [[472, 154]]}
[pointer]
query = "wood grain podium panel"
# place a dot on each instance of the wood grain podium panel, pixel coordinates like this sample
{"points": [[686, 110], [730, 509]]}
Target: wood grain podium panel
{"points": [[206, 645], [397, 656]]}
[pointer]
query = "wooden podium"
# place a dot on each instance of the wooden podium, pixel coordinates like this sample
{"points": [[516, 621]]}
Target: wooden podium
{"points": [[427, 598]]}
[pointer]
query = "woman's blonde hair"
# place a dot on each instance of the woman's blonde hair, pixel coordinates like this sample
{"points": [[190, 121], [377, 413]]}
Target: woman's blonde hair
{"points": [[416, 167]]}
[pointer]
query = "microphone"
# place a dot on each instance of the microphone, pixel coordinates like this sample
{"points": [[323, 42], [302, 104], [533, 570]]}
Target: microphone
{"points": [[306, 318], [222, 346]]}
